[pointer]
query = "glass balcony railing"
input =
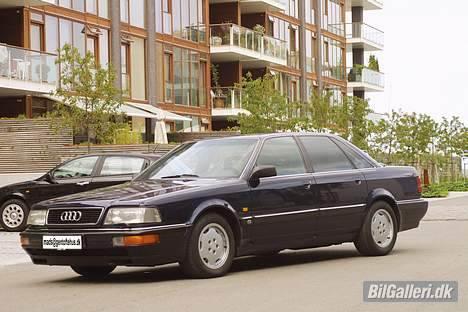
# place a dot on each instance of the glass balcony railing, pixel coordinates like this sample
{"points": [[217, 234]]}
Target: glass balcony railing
{"points": [[242, 37], [227, 98], [366, 75], [26, 65], [365, 32], [337, 29]]}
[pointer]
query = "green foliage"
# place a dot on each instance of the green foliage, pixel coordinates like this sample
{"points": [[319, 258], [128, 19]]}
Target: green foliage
{"points": [[374, 63], [125, 136], [434, 190], [460, 186], [89, 101], [215, 74], [268, 109]]}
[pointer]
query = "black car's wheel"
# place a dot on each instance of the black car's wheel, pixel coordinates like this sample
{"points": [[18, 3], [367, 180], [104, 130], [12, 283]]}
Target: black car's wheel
{"points": [[14, 215], [93, 272], [379, 231], [210, 248]]}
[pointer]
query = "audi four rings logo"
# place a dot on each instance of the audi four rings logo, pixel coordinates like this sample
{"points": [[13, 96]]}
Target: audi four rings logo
{"points": [[71, 216]]}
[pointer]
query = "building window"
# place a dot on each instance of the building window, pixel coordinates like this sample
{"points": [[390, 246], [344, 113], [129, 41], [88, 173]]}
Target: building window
{"points": [[92, 46], [103, 8], [37, 37], [188, 19], [168, 77], [51, 34], [124, 11], [125, 68]]}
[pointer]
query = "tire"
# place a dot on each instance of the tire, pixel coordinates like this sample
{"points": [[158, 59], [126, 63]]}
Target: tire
{"points": [[93, 272], [14, 215], [379, 231], [210, 248]]}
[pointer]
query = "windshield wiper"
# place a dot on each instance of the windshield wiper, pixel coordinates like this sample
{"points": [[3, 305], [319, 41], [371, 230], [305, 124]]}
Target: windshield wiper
{"points": [[185, 175]]}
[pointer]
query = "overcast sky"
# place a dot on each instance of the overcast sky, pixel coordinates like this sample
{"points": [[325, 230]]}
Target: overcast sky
{"points": [[425, 60]]}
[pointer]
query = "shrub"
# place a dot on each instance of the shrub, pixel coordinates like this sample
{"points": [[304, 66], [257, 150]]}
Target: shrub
{"points": [[435, 190]]}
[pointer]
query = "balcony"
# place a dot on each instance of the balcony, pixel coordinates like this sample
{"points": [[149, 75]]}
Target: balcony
{"points": [[227, 102], [230, 42], [365, 79], [256, 6], [366, 4], [20, 3], [360, 35], [24, 71]]}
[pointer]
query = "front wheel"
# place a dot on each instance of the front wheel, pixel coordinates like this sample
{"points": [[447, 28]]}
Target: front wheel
{"points": [[93, 272], [210, 248], [379, 231], [14, 215]]}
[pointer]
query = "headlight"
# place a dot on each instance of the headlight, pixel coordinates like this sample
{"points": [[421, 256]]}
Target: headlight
{"points": [[132, 216], [37, 217]]}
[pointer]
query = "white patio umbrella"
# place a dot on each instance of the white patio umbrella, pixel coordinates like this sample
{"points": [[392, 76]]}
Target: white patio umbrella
{"points": [[160, 133]]}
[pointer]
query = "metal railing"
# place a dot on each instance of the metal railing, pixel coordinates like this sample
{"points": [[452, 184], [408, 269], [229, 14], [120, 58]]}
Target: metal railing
{"points": [[238, 36], [227, 97], [365, 32], [366, 75], [26, 65]]}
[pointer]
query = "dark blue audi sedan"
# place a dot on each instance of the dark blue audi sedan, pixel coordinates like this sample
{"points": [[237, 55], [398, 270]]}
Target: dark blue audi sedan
{"points": [[207, 202]]}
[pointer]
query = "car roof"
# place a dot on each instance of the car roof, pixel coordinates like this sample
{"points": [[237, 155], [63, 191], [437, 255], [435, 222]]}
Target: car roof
{"points": [[151, 156], [268, 135]]}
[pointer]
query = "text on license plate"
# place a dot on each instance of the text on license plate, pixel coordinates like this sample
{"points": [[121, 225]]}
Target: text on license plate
{"points": [[61, 242]]}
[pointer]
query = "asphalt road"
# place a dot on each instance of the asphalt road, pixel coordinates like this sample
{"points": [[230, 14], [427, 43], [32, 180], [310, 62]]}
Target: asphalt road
{"points": [[324, 279]]}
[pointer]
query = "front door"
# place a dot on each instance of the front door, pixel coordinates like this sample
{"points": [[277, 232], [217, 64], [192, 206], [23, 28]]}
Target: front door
{"points": [[281, 206], [72, 177]]}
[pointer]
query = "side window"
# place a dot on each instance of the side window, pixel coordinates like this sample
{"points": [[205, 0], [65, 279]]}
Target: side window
{"points": [[325, 155], [118, 165], [359, 161], [81, 167], [284, 154]]}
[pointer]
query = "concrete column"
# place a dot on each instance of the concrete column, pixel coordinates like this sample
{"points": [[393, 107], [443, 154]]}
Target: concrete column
{"points": [[116, 61], [318, 23], [151, 52], [302, 52], [357, 14]]}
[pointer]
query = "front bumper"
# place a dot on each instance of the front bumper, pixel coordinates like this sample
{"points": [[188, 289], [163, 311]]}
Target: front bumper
{"points": [[411, 213], [98, 249]]}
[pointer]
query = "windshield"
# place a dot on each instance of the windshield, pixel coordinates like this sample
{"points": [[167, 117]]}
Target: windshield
{"points": [[205, 159]]}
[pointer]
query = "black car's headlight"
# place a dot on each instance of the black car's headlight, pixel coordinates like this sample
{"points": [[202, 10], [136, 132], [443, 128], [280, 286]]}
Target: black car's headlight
{"points": [[132, 216], [37, 217]]}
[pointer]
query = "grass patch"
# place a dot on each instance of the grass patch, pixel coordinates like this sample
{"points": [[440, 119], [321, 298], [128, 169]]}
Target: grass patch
{"points": [[443, 189]]}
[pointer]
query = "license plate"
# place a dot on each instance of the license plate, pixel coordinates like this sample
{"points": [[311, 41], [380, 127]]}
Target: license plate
{"points": [[62, 242]]}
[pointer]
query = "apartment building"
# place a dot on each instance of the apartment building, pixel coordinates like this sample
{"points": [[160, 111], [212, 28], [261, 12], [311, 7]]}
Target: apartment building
{"points": [[364, 45], [180, 59]]}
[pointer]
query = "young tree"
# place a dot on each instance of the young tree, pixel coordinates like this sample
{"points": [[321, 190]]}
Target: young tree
{"points": [[89, 100], [268, 110]]}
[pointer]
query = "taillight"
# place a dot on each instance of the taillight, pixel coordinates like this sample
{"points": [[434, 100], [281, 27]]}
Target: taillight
{"points": [[418, 181]]}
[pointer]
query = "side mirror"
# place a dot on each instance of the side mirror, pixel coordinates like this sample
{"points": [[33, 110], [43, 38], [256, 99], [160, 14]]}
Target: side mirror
{"points": [[261, 172], [48, 177]]}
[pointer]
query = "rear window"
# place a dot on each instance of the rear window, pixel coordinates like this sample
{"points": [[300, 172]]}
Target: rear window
{"points": [[325, 155], [121, 165]]}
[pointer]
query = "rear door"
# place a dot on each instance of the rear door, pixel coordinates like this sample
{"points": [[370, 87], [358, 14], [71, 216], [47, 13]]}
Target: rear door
{"points": [[340, 191], [116, 169], [279, 205]]}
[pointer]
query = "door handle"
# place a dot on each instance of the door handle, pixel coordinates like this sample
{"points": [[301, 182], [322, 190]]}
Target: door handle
{"points": [[308, 185], [82, 183], [358, 182]]}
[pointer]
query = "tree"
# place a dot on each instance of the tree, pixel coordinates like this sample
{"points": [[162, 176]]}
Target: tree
{"points": [[268, 110], [359, 110], [89, 100]]}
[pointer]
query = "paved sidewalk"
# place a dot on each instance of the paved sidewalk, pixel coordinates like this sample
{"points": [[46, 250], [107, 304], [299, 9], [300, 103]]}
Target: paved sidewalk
{"points": [[10, 249], [6, 179], [455, 207]]}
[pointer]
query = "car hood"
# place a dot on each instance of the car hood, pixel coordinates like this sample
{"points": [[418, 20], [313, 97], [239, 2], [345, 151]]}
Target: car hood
{"points": [[131, 193], [22, 185]]}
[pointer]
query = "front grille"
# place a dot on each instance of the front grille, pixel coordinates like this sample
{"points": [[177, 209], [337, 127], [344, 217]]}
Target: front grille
{"points": [[88, 216]]}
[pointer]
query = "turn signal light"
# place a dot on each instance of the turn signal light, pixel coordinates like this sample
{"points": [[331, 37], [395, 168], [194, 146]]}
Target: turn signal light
{"points": [[135, 240], [24, 241]]}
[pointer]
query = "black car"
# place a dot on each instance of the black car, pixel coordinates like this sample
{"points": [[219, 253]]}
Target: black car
{"points": [[209, 201], [76, 175]]}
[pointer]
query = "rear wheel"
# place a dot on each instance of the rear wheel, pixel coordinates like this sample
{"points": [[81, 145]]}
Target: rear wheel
{"points": [[93, 272], [14, 215], [379, 231], [210, 249]]}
